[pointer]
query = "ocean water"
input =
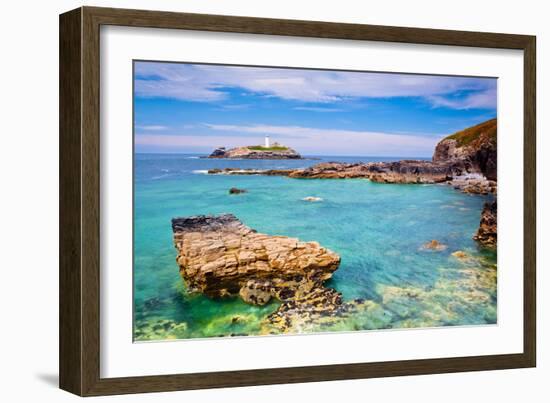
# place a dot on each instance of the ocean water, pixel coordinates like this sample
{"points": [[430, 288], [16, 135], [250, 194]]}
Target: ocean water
{"points": [[377, 229]]}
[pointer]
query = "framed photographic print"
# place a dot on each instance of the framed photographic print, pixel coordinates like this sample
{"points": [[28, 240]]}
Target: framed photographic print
{"points": [[249, 201]]}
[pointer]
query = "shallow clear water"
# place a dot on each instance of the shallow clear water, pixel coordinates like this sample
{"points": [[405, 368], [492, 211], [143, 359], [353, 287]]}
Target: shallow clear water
{"points": [[377, 229]]}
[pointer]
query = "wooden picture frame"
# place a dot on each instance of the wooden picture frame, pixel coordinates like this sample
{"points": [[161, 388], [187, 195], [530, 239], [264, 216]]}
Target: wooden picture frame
{"points": [[80, 199]]}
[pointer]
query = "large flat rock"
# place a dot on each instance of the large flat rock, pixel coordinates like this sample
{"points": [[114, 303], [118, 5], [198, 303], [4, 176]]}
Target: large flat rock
{"points": [[220, 256]]}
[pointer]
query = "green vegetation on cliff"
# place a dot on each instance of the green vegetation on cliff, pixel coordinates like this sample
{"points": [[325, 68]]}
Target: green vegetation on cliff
{"points": [[485, 130]]}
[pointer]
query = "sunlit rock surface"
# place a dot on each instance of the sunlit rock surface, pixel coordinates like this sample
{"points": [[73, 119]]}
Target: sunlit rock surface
{"points": [[487, 232]]}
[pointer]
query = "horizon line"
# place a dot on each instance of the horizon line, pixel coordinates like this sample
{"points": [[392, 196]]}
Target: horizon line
{"points": [[304, 155]]}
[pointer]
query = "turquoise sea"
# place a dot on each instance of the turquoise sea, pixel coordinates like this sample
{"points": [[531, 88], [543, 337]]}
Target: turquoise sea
{"points": [[377, 229]]}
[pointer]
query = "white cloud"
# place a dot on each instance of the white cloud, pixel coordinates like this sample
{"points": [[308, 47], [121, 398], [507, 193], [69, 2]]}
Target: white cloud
{"points": [[234, 107], [316, 109], [307, 140], [485, 100], [210, 83], [151, 127]]}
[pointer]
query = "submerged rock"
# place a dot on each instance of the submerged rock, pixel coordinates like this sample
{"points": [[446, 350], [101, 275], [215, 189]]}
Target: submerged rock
{"points": [[456, 297], [435, 245], [460, 255], [161, 329], [487, 231], [324, 310]]}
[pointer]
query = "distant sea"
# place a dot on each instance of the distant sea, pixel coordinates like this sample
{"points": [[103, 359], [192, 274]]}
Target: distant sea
{"points": [[377, 229]]}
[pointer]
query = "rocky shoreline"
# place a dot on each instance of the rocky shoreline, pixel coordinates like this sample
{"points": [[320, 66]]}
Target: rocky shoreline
{"points": [[402, 172]]}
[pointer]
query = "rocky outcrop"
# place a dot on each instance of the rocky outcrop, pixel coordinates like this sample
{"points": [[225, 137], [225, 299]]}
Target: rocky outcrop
{"points": [[474, 184], [487, 232], [250, 171], [407, 171], [218, 153], [475, 148], [220, 256], [276, 152]]}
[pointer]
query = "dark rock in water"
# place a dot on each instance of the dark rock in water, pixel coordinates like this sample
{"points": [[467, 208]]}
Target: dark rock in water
{"points": [[236, 191], [153, 303], [204, 223], [487, 232]]}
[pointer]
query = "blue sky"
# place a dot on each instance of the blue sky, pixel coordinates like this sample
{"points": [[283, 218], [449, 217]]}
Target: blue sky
{"points": [[196, 108]]}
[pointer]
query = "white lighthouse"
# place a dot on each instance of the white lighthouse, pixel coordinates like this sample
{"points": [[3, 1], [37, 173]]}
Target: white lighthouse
{"points": [[266, 143]]}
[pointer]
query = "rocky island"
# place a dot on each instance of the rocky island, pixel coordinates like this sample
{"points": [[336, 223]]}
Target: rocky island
{"points": [[269, 151]]}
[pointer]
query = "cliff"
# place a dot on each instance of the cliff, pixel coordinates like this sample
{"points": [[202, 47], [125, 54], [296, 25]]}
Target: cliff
{"points": [[276, 152], [474, 147]]}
